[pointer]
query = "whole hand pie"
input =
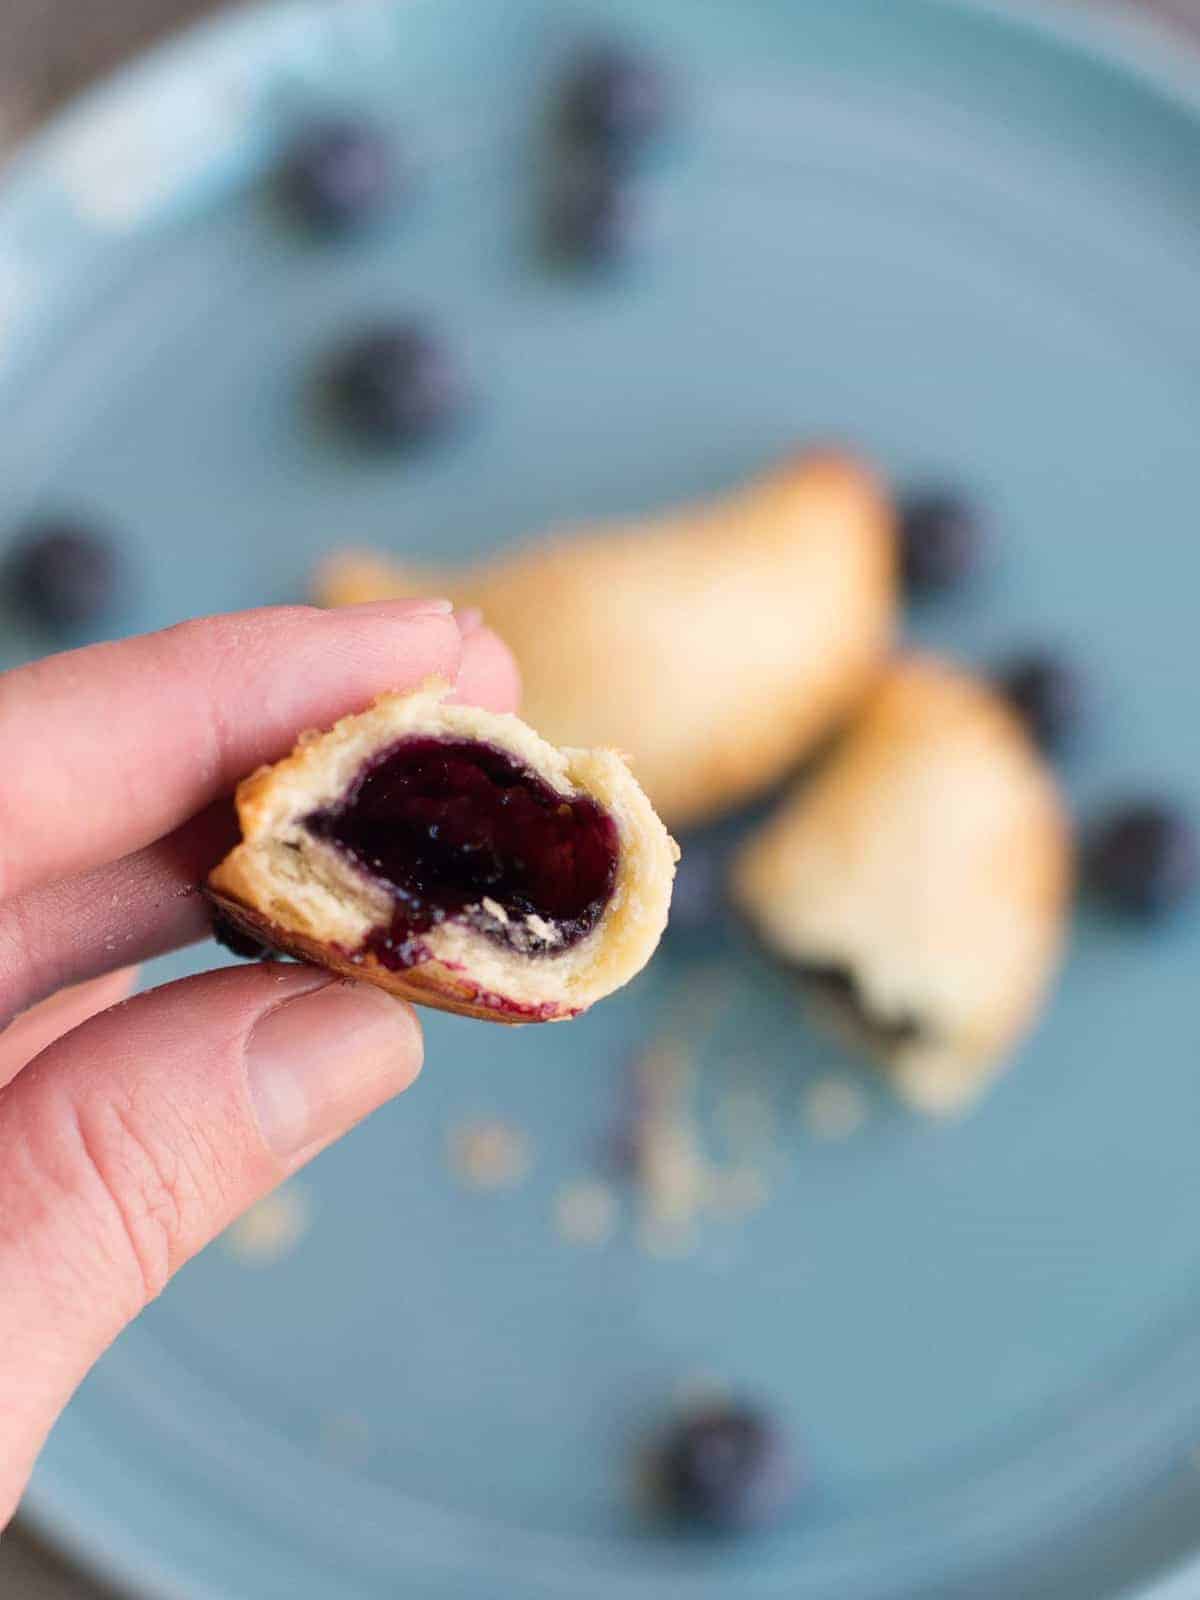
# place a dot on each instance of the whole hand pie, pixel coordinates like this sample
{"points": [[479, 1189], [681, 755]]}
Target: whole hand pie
{"points": [[453, 857], [713, 645], [919, 884]]}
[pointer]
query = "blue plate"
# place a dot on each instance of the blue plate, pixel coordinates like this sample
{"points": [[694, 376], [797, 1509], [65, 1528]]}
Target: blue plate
{"points": [[967, 238]]}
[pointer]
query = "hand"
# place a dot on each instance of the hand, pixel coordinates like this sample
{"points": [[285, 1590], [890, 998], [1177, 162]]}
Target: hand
{"points": [[132, 1133]]}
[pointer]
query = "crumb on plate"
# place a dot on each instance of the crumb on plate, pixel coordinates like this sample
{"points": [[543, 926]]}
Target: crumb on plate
{"points": [[833, 1108], [586, 1212], [271, 1229], [489, 1155]]}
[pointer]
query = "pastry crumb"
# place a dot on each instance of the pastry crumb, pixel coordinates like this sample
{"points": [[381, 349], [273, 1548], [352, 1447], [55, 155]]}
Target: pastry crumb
{"points": [[833, 1108], [547, 932], [672, 1170], [489, 1155], [270, 1230], [586, 1212]]}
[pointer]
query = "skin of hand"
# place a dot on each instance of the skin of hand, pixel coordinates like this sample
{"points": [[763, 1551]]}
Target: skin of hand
{"points": [[133, 1131]]}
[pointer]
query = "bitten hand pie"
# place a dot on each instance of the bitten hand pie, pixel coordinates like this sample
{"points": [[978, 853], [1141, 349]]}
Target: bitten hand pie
{"points": [[713, 646], [454, 858], [920, 882]]}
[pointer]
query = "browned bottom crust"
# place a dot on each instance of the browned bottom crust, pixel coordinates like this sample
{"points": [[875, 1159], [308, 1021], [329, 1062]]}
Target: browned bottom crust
{"points": [[431, 983]]}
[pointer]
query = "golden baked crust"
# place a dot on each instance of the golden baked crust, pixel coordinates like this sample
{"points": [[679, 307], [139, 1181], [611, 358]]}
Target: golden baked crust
{"points": [[301, 895], [713, 645], [930, 858]]}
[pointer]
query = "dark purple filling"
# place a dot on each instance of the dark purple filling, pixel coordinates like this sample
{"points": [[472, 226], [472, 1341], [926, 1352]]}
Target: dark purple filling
{"points": [[446, 825], [839, 987]]}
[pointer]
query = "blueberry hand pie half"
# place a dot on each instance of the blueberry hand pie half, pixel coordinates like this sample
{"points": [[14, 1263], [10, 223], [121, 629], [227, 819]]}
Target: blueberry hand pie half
{"points": [[919, 884], [453, 857]]}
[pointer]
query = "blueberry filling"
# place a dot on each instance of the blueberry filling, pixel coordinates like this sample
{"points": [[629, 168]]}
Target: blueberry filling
{"points": [[839, 988], [457, 830]]}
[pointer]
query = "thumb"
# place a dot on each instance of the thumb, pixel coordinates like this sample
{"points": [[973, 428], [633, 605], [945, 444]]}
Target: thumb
{"points": [[130, 1143]]}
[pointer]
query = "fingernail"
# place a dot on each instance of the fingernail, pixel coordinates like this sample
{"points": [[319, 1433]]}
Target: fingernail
{"points": [[470, 620], [319, 1062], [399, 608]]}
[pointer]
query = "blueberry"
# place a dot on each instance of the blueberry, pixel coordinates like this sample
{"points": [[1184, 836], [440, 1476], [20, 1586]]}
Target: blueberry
{"points": [[400, 385], [1050, 696], [698, 901], [941, 542], [591, 215], [66, 574], [339, 175], [728, 1468], [1144, 858], [616, 100], [234, 939]]}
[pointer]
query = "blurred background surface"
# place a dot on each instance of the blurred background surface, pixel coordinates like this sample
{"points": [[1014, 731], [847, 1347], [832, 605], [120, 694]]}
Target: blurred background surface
{"points": [[50, 50]]}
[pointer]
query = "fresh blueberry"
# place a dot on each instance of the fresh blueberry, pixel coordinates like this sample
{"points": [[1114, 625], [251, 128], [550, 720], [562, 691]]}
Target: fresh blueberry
{"points": [[400, 385], [728, 1468], [590, 218], [66, 574], [941, 542], [339, 175], [698, 900], [616, 100], [1050, 695], [1144, 858], [234, 939]]}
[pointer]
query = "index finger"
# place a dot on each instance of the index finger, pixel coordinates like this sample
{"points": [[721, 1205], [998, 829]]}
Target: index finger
{"points": [[115, 745]]}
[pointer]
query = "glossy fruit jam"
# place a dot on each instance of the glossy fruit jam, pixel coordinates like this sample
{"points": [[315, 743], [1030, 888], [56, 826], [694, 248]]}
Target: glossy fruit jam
{"points": [[458, 830]]}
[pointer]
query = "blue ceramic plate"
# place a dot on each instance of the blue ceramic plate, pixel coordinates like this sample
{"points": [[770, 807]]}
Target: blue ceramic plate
{"points": [[968, 239]]}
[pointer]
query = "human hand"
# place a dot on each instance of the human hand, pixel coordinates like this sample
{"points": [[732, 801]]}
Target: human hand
{"points": [[132, 1133]]}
